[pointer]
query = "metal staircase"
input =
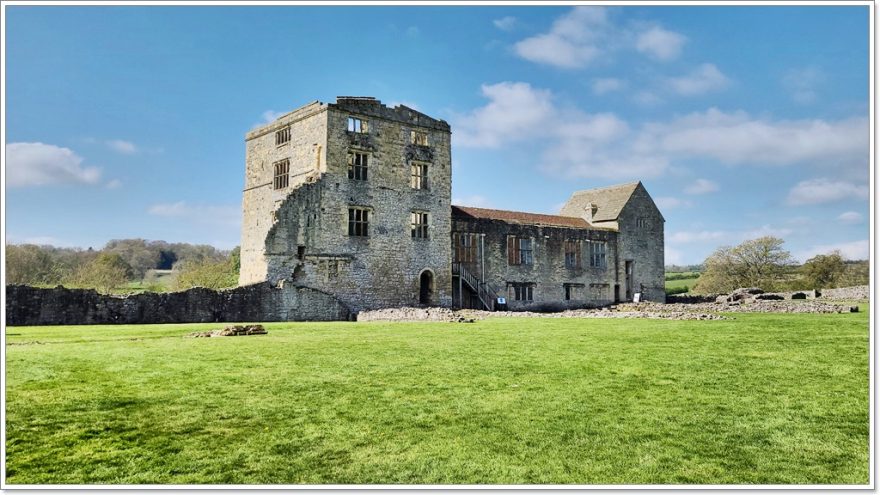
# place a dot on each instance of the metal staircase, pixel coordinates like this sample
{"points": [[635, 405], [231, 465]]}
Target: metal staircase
{"points": [[484, 291]]}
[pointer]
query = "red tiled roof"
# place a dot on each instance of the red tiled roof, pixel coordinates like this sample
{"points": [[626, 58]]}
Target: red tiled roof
{"points": [[518, 217]]}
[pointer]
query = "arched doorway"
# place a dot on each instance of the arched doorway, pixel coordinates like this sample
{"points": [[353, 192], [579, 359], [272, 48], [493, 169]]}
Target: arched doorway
{"points": [[426, 287]]}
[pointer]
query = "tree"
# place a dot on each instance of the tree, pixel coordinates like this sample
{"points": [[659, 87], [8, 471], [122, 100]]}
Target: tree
{"points": [[755, 263], [28, 264], [208, 273], [104, 273], [823, 271]]}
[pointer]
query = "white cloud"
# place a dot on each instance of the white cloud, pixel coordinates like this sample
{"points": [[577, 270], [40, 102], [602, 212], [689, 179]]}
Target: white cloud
{"points": [[764, 231], [701, 186], [605, 85], [823, 190], [228, 215], [573, 41], [113, 184], [413, 31], [515, 110], [736, 138], [660, 44], [669, 202], [120, 146], [850, 217], [507, 23], [802, 83], [474, 200], [647, 98], [38, 164], [577, 144], [856, 250], [701, 80], [271, 116]]}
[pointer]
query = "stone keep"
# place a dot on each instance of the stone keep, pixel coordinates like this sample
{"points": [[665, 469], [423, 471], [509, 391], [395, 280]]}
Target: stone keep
{"points": [[330, 199], [353, 199]]}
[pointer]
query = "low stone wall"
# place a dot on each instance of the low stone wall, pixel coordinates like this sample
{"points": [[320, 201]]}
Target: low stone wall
{"points": [[259, 302], [857, 293]]}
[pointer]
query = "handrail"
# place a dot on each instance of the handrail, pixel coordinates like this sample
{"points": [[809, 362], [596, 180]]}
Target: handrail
{"points": [[482, 289]]}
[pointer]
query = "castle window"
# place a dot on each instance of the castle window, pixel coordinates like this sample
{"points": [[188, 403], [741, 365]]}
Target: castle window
{"points": [[357, 125], [282, 136], [597, 254], [419, 225], [282, 174], [357, 166], [572, 291], [519, 250], [418, 138], [358, 222], [642, 223], [465, 247], [572, 254], [521, 291], [419, 176]]}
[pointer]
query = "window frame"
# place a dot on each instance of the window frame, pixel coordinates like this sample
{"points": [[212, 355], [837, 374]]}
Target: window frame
{"points": [[419, 221], [570, 291], [357, 125], [418, 176], [572, 253], [517, 254], [281, 174], [358, 171], [282, 136], [465, 250], [598, 254], [359, 221], [418, 138], [521, 291]]}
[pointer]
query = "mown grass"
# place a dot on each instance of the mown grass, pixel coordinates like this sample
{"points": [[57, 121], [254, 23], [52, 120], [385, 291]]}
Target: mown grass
{"points": [[758, 399], [684, 282]]}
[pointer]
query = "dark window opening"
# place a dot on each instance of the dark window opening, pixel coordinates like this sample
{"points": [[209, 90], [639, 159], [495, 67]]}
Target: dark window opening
{"points": [[358, 222], [282, 174]]}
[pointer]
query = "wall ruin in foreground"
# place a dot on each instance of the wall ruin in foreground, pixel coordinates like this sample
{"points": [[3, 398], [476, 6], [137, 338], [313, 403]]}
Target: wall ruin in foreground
{"points": [[251, 303]]}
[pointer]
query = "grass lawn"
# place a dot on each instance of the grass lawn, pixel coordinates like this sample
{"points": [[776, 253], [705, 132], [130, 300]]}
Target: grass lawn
{"points": [[683, 282], [758, 399]]}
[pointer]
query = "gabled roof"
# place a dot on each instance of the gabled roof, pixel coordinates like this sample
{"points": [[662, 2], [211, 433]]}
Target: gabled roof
{"points": [[518, 217], [608, 200]]}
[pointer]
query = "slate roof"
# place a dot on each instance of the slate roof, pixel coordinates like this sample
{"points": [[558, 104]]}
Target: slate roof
{"points": [[609, 200], [518, 217]]}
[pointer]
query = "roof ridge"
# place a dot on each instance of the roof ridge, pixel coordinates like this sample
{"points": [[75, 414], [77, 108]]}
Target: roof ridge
{"points": [[613, 186], [515, 211]]}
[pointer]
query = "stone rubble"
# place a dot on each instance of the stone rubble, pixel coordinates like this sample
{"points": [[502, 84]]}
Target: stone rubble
{"points": [[232, 331]]}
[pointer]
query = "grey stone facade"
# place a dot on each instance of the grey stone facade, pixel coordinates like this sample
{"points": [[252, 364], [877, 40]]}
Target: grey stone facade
{"points": [[362, 211], [301, 232]]}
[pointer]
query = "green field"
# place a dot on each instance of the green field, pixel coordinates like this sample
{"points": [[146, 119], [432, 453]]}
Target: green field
{"points": [[758, 399], [684, 282]]}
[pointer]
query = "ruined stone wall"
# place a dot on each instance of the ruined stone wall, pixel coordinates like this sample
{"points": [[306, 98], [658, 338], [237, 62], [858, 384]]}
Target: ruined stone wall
{"points": [[641, 240], [548, 271], [254, 303], [310, 242], [306, 151]]}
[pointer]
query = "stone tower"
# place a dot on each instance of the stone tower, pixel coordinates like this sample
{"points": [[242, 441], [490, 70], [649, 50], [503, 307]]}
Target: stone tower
{"points": [[353, 199]]}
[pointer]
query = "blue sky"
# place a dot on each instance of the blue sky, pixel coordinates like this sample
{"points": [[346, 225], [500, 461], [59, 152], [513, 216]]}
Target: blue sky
{"points": [[741, 121]]}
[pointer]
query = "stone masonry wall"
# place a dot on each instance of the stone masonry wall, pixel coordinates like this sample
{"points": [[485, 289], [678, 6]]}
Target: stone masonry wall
{"points": [[306, 151], [641, 240], [548, 271], [310, 241], [259, 302]]}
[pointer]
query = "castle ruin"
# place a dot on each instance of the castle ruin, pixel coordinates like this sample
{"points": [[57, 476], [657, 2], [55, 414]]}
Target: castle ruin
{"points": [[353, 199]]}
